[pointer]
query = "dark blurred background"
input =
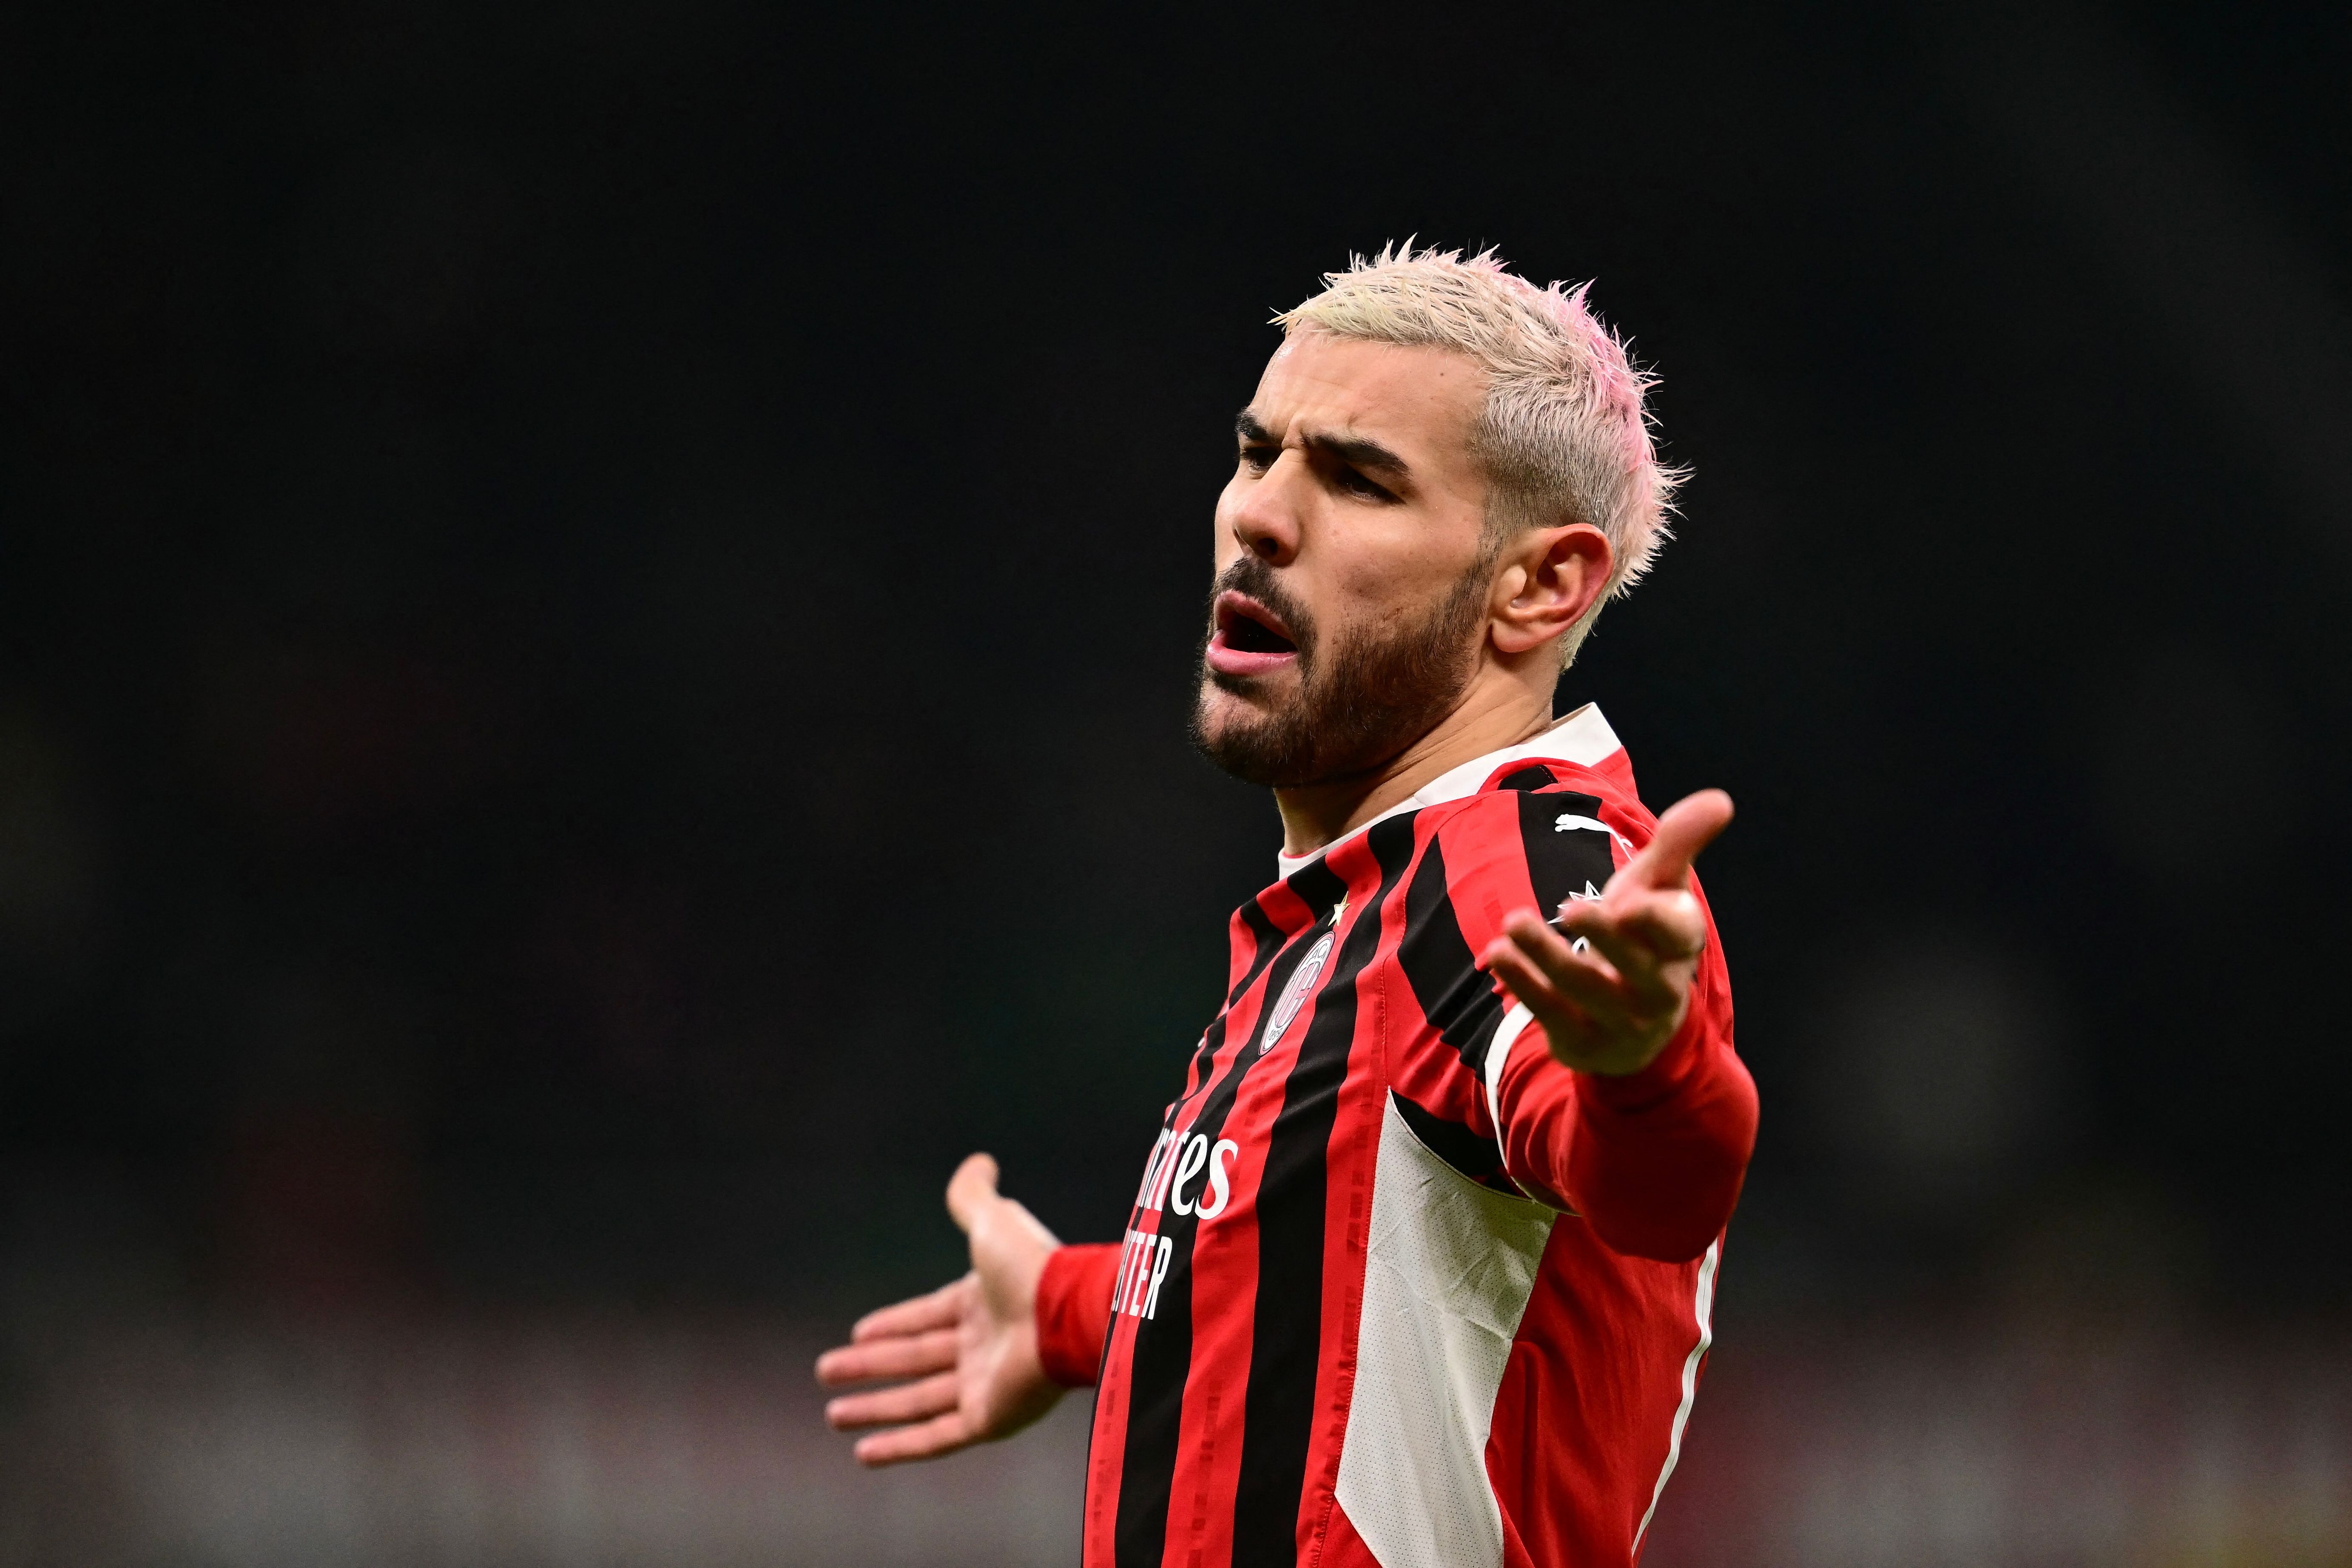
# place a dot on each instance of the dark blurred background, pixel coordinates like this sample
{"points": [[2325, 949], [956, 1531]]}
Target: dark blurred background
{"points": [[596, 609]]}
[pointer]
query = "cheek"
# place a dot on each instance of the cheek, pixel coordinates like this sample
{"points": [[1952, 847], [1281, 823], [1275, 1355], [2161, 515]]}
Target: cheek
{"points": [[1400, 570]]}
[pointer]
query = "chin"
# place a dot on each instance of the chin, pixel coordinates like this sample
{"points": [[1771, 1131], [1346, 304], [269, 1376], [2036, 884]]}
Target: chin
{"points": [[1247, 736], [1216, 711], [1226, 702]]}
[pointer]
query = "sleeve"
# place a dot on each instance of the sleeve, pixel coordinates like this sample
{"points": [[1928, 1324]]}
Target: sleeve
{"points": [[1073, 1311], [1653, 1160]]}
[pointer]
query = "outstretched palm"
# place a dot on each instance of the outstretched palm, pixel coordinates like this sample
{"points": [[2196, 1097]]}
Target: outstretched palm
{"points": [[1612, 990], [968, 1349]]}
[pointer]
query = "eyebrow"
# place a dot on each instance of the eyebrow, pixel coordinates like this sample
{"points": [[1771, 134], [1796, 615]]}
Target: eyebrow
{"points": [[1360, 451]]}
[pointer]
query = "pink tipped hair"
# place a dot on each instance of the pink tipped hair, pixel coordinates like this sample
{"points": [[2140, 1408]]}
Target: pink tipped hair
{"points": [[1566, 430]]}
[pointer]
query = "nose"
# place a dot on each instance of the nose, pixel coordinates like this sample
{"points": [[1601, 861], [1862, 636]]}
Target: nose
{"points": [[1264, 516]]}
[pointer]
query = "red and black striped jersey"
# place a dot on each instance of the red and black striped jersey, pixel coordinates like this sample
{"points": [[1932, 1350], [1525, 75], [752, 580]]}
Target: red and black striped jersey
{"points": [[1398, 1287]]}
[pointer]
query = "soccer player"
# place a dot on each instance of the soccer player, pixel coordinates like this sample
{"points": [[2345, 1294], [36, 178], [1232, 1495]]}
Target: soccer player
{"points": [[1420, 1269]]}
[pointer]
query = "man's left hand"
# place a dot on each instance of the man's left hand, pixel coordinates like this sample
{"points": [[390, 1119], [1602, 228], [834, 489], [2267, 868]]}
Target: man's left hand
{"points": [[1612, 990]]}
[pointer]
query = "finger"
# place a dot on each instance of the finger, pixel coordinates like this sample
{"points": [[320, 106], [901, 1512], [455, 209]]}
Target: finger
{"points": [[910, 1356], [1567, 1027], [1549, 976], [1689, 827], [941, 1435], [971, 1189], [1591, 990], [889, 1406], [1671, 926], [1640, 936], [1540, 942], [1520, 978], [937, 1310], [1580, 973], [1635, 965]]}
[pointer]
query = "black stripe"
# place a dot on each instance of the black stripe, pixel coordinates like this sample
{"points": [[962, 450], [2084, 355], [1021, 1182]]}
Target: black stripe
{"points": [[1268, 945], [1278, 1421], [1535, 776], [1474, 1156], [1457, 996], [1269, 942], [1562, 863], [1162, 1358], [1155, 1377]]}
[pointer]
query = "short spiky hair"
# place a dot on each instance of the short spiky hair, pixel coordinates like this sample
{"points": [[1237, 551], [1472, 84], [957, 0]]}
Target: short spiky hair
{"points": [[1563, 435]]}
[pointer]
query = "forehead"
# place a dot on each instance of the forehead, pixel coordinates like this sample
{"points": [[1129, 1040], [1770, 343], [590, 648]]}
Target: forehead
{"points": [[1419, 401]]}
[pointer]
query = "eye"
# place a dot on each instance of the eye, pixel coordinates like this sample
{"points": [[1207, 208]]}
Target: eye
{"points": [[1355, 484], [1258, 459]]}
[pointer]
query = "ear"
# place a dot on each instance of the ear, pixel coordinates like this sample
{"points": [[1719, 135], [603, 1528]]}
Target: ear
{"points": [[1548, 578]]}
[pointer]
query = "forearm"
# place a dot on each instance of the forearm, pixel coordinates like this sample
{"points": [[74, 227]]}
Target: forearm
{"points": [[1073, 1311], [1653, 1160]]}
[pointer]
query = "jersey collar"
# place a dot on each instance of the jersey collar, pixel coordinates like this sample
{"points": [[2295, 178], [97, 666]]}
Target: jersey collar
{"points": [[1582, 737]]}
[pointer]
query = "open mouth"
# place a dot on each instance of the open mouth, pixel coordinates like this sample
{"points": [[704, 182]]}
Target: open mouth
{"points": [[1249, 638]]}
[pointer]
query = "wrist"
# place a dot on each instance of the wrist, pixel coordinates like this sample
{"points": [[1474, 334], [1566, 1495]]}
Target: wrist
{"points": [[1620, 1058], [1655, 1079], [1071, 1312]]}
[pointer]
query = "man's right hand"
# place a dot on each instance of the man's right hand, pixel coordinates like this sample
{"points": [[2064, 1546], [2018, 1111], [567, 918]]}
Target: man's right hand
{"points": [[969, 1349]]}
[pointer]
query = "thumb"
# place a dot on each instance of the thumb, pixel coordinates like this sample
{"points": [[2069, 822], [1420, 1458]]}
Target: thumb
{"points": [[971, 1189], [1689, 827]]}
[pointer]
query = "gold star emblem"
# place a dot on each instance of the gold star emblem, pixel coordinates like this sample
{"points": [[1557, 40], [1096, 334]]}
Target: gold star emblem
{"points": [[1337, 909]]}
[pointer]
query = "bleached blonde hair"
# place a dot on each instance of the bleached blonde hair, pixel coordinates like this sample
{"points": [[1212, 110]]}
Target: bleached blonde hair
{"points": [[1563, 435]]}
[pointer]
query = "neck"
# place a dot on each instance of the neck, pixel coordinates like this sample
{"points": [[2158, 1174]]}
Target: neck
{"points": [[1492, 715]]}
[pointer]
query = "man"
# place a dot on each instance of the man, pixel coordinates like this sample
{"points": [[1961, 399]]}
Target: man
{"points": [[1421, 1267]]}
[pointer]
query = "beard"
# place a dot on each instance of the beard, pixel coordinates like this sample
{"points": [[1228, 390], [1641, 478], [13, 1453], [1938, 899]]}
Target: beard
{"points": [[1363, 695]]}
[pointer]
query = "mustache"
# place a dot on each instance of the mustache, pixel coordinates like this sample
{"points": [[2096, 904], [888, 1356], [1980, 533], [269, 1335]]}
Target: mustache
{"points": [[1251, 576]]}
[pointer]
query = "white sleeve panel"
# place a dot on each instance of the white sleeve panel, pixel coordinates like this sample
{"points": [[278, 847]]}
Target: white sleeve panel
{"points": [[1498, 1051]]}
